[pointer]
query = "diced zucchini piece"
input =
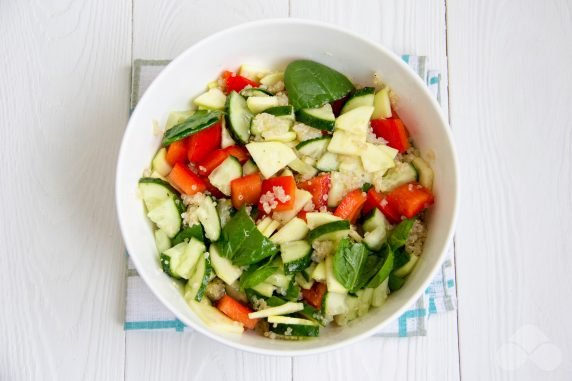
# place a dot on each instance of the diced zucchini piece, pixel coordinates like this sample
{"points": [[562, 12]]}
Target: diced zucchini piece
{"points": [[425, 172], [252, 72], [360, 97], [306, 170], [214, 99], [296, 229], [375, 239], [333, 284], [262, 225], [227, 171], [356, 121], [365, 297], [296, 256], [226, 138], [375, 159], [170, 259], [270, 157], [319, 273], [284, 309], [345, 143], [279, 279], [223, 267], [381, 104], [160, 163], [306, 284], [272, 78], [402, 173], [271, 228], [302, 198], [321, 118], [255, 92]]}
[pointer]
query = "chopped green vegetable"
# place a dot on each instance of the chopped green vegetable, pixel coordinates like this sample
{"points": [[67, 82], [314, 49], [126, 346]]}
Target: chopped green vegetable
{"points": [[349, 261], [256, 275], [197, 122], [195, 231], [385, 269], [400, 234]]}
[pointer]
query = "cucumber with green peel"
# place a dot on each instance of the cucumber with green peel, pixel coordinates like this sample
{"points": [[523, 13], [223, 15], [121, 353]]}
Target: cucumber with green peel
{"points": [[375, 239], [265, 289], [328, 162], [315, 219], [286, 112], [238, 117], [296, 229], [296, 327], [154, 191], [333, 231], [402, 173], [374, 220], [258, 104], [284, 309], [406, 269], [167, 217], [197, 283], [171, 258], [382, 104], [209, 218], [322, 118], [385, 269], [223, 267], [304, 283], [162, 240], [306, 170], [425, 172], [226, 139], [296, 256], [180, 260], [222, 176], [255, 92], [249, 168], [395, 282], [279, 279], [319, 273], [358, 98], [214, 99], [272, 78], [332, 282], [314, 148], [356, 121], [160, 163]]}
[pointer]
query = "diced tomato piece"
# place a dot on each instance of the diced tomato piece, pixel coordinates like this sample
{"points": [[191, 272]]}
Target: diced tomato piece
{"points": [[351, 205], [393, 131], [213, 160], [203, 142], [288, 192], [234, 82], [177, 152], [315, 295], [319, 187], [379, 201], [236, 311], [245, 190], [410, 199], [239, 152], [186, 180]]}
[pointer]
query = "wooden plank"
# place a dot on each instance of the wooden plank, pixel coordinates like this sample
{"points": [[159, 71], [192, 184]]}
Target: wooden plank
{"points": [[162, 30], [510, 80], [405, 27], [172, 356], [64, 70]]}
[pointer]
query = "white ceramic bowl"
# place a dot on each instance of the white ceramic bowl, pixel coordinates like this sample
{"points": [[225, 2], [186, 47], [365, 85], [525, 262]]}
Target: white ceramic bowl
{"points": [[273, 43]]}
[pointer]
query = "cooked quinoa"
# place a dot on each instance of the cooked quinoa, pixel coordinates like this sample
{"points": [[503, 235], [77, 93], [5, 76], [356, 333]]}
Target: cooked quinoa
{"points": [[416, 239]]}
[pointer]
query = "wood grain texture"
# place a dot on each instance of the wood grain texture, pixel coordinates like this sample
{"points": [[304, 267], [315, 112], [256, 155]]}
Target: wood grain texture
{"points": [[64, 69], [162, 30], [512, 118], [404, 27]]}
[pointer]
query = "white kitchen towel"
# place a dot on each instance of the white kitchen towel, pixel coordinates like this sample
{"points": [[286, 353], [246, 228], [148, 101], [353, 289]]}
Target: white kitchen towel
{"points": [[145, 312]]}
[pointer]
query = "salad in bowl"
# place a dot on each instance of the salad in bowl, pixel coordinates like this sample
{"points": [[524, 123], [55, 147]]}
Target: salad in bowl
{"points": [[285, 201]]}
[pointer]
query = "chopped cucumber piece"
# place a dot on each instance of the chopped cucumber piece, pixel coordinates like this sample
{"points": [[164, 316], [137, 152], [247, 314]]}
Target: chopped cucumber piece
{"points": [[374, 158], [213, 318], [402, 173], [373, 220], [226, 139], [270, 157], [180, 260], [425, 172], [197, 284], [272, 78], [296, 256], [328, 162], [265, 289], [381, 104], [209, 218], [345, 143], [301, 198], [227, 171], [333, 284], [406, 269], [306, 170], [258, 104], [249, 168], [223, 267], [177, 117], [279, 279], [286, 112], [296, 229], [284, 309], [315, 219], [335, 303], [170, 259], [214, 99], [306, 284], [360, 97], [296, 327], [167, 217], [252, 72], [160, 163], [321, 118], [162, 240], [238, 117], [380, 294], [333, 231], [376, 238], [356, 121], [271, 228], [154, 191], [352, 303], [255, 92], [314, 148], [319, 273]]}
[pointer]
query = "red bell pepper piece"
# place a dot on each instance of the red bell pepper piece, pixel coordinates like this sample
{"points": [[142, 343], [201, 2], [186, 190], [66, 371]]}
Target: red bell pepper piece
{"points": [[245, 190], [212, 189], [186, 180], [239, 152], [379, 201], [204, 142], [351, 205], [177, 152], [272, 185], [234, 82], [315, 295], [236, 311], [213, 160], [410, 199], [393, 131], [319, 187], [302, 215]]}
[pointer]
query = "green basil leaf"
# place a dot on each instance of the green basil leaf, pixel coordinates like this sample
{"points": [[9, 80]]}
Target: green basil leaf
{"points": [[373, 264], [401, 258], [385, 269], [310, 84], [195, 231], [400, 234], [349, 261], [395, 282], [197, 122], [256, 275], [242, 242], [293, 291]]}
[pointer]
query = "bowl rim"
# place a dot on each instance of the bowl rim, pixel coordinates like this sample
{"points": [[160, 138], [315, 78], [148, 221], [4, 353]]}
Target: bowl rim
{"points": [[454, 173]]}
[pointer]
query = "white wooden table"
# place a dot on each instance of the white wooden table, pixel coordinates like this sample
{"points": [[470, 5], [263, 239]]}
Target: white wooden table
{"points": [[64, 92]]}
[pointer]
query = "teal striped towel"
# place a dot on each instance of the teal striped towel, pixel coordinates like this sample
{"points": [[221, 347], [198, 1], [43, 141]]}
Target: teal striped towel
{"points": [[145, 312]]}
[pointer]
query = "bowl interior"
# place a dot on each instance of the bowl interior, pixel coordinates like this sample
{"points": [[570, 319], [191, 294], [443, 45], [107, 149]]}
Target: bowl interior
{"points": [[273, 44]]}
